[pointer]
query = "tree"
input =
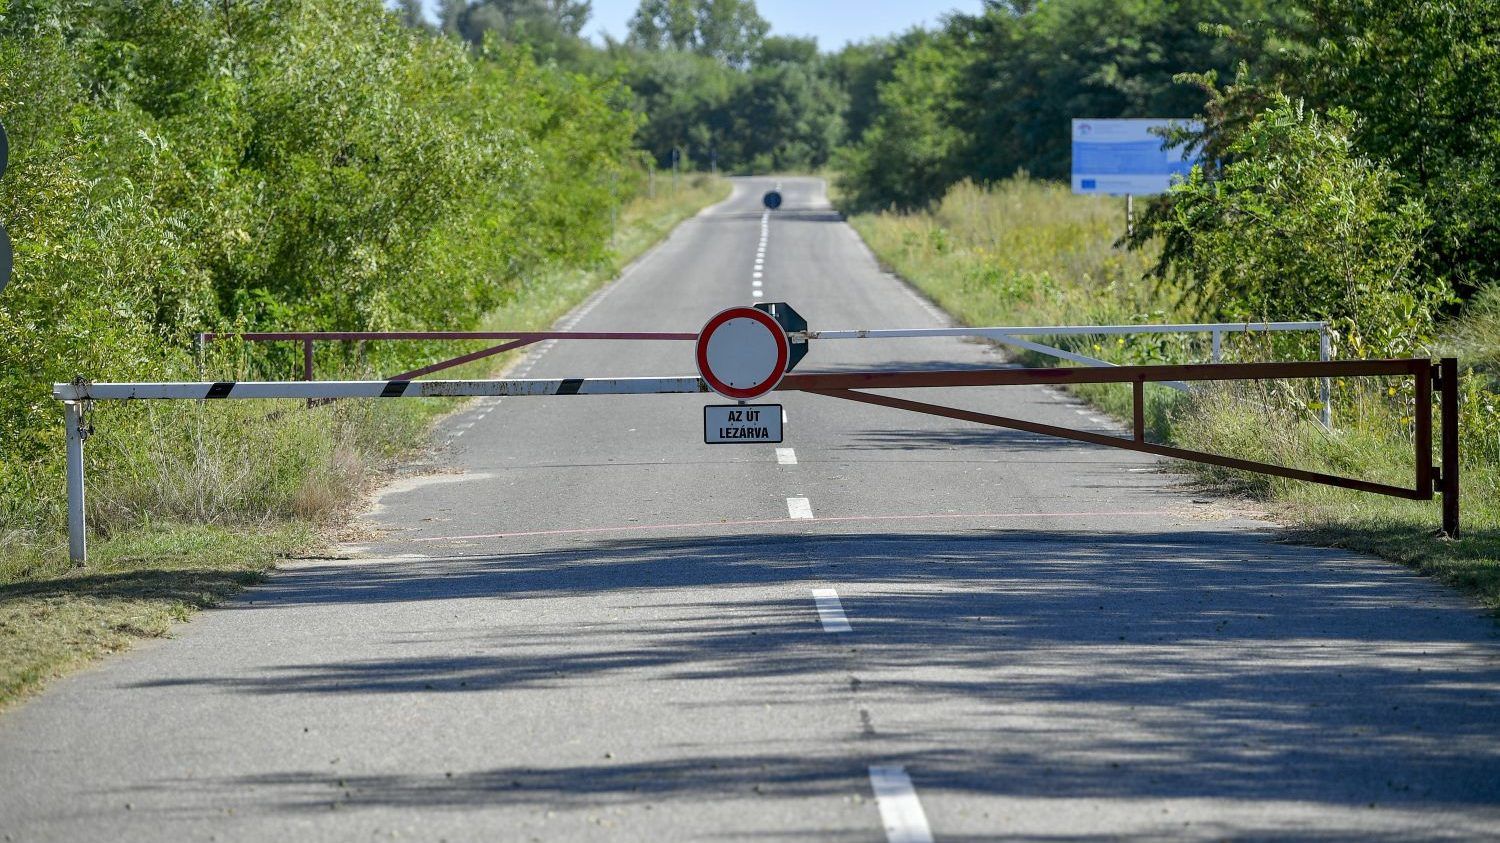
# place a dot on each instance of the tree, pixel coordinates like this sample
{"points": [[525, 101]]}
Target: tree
{"points": [[728, 30], [860, 69], [909, 154], [410, 12], [549, 27], [787, 118], [1424, 78], [1037, 69]]}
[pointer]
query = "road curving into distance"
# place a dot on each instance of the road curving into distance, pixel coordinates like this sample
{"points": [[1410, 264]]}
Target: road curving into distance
{"points": [[588, 625]]}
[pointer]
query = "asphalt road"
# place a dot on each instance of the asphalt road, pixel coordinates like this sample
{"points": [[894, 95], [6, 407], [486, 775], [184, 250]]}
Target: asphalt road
{"points": [[590, 626]]}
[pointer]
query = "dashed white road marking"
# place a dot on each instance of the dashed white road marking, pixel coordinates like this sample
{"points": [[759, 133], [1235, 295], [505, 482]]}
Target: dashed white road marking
{"points": [[900, 810], [786, 456], [798, 508], [756, 293], [757, 275], [830, 610], [756, 283], [783, 416]]}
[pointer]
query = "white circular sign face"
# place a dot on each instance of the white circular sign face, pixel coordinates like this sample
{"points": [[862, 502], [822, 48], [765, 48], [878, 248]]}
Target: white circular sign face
{"points": [[742, 353]]}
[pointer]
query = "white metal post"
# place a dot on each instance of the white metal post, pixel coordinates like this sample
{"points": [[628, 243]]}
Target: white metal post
{"points": [[77, 540], [1325, 352], [1218, 346]]}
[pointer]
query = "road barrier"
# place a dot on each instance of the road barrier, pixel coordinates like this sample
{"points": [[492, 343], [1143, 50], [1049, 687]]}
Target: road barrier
{"points": [[1004, 335], [1440, 378]]}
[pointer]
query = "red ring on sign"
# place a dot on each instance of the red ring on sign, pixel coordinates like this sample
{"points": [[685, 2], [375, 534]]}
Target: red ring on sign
{"points": [[783, 353]]}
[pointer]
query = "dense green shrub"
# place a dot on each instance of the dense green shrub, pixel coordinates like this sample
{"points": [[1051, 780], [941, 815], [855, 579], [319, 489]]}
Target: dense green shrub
{"points": [[1299, 226], [288, 164]]}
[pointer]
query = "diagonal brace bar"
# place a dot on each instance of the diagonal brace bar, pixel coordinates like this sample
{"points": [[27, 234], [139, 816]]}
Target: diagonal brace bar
{"points": [[462, 359], [1127, 444]]}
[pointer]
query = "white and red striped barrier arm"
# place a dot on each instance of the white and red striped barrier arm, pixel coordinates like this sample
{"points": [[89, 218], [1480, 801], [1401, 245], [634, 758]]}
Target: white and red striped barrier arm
{"points": [[376, 389]]}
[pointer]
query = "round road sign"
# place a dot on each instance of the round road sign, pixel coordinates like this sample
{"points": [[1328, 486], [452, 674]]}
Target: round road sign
{"points": [[742, 353], [772, 199]]}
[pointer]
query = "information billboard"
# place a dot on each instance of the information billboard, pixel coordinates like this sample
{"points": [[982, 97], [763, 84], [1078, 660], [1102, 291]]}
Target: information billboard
{"points": [[1120, 157]]}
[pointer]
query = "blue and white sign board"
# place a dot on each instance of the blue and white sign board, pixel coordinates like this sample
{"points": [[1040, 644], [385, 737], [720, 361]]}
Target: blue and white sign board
{"points": [[1120, 157]]}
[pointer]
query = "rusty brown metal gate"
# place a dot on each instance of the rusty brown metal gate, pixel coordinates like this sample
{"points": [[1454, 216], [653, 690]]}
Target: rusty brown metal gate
{"points": [[1438, 378]]}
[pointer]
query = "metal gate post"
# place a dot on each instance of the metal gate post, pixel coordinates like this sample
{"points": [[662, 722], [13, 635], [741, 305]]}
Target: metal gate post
{"points": [[1448, 390], [77, 540], [1325, 352]]}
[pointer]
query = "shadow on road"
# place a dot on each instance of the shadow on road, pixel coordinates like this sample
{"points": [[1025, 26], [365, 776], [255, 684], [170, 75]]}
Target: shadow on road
{"points": [[1192, 664]]}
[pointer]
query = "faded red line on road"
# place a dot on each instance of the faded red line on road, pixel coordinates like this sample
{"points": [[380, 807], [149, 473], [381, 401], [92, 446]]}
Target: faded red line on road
{"points": [[756, 522]]}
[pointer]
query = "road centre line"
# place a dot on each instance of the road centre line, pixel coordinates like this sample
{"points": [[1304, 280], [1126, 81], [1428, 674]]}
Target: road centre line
{"points": [[798, 508], [830, 610], [786, 456], [767, 522], [900, 810]]}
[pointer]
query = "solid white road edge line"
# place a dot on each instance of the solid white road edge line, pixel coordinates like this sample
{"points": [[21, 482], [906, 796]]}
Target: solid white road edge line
{"points": [[798, 508], [900, 810], [830, 610], [786, 456]]}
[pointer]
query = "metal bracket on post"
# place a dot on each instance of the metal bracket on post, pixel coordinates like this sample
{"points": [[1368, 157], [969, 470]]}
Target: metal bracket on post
{"points": [[78, 431]]}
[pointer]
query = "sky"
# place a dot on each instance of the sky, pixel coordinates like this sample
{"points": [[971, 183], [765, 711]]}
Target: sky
{"points": [[833, 22]]}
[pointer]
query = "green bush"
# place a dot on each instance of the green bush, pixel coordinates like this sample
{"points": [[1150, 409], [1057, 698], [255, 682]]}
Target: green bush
{"points": [[1298, 226], [283, 164]]}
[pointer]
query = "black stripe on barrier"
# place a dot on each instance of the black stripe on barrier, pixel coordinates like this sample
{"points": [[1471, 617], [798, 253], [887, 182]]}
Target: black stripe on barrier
{"points": [[220, 389], [570, 386], [394, 389]]}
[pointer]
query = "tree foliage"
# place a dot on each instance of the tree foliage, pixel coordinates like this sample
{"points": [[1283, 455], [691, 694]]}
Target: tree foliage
{"points": [[998, 99], [727, 30], [550, 28], [1299, 225], [288, 164]]}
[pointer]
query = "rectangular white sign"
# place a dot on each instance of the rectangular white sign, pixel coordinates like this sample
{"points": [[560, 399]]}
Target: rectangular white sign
{"points": [[726, 424], [1124, 156]]}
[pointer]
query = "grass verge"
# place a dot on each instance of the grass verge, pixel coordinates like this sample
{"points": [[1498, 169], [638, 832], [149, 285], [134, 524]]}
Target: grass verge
{"points": [[1023, 252], [193, 501]]}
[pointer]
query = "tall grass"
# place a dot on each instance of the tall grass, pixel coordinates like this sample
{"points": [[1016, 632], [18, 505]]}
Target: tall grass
{"points": [[1023, 252]]}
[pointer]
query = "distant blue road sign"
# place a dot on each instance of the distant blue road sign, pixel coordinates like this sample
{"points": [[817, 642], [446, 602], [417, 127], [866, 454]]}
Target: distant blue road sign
{"points": [[772, 199], [1123, 156]]}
